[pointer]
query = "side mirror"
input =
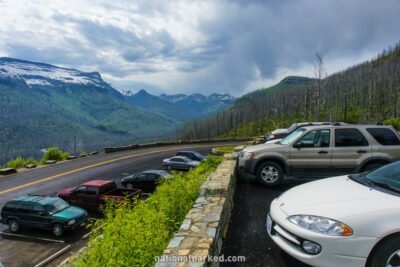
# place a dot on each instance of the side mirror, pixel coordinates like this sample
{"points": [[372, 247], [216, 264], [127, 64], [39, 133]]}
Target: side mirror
{"points": [[298, 144]]}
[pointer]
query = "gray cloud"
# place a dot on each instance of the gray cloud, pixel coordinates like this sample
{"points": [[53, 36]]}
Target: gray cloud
{"points": [[198, 46]]}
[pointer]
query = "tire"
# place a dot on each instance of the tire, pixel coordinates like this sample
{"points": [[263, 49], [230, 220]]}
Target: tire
{"points": [[169, 167], [57, 229], [386, 253], [269, 173], [14, 226], [372, 166]]}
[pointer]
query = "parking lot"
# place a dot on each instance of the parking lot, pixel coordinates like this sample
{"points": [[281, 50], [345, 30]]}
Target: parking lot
{"points": [[247, 235]]}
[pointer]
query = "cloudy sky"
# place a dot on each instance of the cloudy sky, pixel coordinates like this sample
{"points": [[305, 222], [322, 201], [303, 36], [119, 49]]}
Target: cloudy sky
{"points": [[197, 46]]}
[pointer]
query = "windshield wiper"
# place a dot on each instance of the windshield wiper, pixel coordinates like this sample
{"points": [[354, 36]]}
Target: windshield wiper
{"points": [[386, 186]]}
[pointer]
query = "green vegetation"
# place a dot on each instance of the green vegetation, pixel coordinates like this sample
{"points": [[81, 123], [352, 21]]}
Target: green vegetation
{"points": [[393, 122], [19, 162], [53, 153], [225, 149], [83, 153], [134, 235]]}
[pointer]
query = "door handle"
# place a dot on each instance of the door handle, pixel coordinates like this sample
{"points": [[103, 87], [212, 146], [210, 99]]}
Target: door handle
{"points": [[323, 152], [361, 151]]}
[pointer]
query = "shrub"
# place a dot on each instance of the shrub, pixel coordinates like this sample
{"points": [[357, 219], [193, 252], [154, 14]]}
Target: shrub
{"points": [[134, 235], [16, 163], [30, 161], [83, 153], [53, 153]]}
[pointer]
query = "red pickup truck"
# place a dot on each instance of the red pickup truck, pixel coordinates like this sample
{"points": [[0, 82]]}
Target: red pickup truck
{"points": [[92, 194]]}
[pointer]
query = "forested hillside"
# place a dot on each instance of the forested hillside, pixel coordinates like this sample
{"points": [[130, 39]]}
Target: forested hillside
{"points": [[43, 106], [365, 93]]}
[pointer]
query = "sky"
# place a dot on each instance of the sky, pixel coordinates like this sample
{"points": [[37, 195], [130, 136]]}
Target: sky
{"points": [[198, 46]]}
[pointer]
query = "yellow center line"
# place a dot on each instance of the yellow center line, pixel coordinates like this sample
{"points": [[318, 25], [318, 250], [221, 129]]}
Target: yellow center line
{"points": [[95, 165]]}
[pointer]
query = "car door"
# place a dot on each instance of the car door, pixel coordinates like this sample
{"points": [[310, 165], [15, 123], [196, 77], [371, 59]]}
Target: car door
{"points": [[311, 155], [140, 181], [351, 148], [76, 198], [177, 163], [90, 197], [152, 181], [40, 217], [25, 215]]}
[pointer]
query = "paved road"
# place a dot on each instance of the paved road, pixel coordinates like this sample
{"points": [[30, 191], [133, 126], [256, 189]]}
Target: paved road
{"points": [[247, 235], [31, 248]]}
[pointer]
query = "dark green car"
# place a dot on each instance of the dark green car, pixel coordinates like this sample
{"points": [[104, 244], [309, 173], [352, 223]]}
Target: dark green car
{"points": [[44, 212]]}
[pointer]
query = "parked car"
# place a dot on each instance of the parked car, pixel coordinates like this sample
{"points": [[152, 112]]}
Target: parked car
{"points": [[146, 181], [322, 151], [180, 163], [94, 193], [43, 212], [349, 220], [282, 133], [193, 155]]}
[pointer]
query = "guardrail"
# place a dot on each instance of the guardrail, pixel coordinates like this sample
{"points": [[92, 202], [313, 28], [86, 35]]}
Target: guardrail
{"points": [[168, 143]]}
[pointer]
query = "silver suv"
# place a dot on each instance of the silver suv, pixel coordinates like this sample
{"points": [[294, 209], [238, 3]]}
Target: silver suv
{"points": [[322, 151]]}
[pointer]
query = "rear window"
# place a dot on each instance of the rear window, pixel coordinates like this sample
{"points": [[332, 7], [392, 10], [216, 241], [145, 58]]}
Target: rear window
{"points": [[349, 137], [107, 188], [384, 136], [10, 206]]}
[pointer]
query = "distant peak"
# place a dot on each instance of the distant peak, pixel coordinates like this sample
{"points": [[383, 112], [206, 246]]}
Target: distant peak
{"points": [[141, 92], [295, 80], [126, 93]]}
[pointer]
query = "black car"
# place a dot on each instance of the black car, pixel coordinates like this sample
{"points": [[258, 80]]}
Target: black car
{"points": [[147, 180], [43, 212], [193, 155]]}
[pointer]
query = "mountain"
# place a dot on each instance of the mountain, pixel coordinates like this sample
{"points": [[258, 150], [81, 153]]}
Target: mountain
{"points": [[365, 93], [202, 105], [157, 104], [42, 105]]}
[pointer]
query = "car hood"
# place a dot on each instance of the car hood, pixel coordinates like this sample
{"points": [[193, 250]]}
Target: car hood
{"points": [[70, 213], [67, 191], [263, 147], [335, 198]]}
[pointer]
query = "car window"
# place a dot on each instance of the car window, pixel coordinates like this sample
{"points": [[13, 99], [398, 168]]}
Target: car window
{"points": [[107, 188], [141, 176], [317, 138], [57, 206], [174, 159], [25, 208], [10, 206], [91, 190], [38, 209], [349, 138], [179, 160], [81, 190], [384, 136], [291, 137], [152, 176]]}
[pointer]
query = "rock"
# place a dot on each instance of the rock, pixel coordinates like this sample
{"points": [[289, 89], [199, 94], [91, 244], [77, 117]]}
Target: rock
{"points": [[31, 166], [83, 155], [93, 153], [72, 157], [50, 162], [7, 171]]}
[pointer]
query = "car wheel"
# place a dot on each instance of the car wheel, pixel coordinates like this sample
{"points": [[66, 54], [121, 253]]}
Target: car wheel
{"points": [[14, 226], [169, 167], [58, 229], [386, 254], [372, 166], [269, 173]]}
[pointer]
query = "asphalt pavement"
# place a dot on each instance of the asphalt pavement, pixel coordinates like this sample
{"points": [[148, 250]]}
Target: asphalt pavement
{"points": [[30, 247], [247, 235]]}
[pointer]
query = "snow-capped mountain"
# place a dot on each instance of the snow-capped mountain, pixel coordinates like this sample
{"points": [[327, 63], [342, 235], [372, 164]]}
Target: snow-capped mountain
{"points": [[34, 73]]}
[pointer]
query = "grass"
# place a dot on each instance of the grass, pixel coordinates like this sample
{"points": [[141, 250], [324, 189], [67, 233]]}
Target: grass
{"points": [[134, 234], [225, 149]]}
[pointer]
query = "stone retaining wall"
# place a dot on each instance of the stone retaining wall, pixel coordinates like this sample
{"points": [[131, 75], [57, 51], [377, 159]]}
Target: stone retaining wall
{"points": [[203, 231], [180, 142]]}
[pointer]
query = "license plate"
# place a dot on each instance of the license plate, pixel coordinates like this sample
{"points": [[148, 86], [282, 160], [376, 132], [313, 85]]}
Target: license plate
{"points": [[269, 223]]}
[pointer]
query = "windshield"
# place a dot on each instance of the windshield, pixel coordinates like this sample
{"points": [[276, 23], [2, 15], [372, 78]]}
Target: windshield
{"points": [[291, 128], [387, 177], [291, 137], [198, 154], [57, 206]]}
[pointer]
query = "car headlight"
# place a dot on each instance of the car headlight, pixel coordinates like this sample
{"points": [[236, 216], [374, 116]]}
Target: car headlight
{"points": [[71, 222], [271, 137], [321, 225], [247, 155]]}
